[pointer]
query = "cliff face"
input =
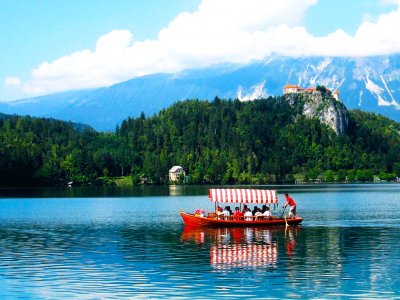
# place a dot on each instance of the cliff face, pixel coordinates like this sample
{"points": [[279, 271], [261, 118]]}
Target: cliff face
{"points": [[323, 106]]}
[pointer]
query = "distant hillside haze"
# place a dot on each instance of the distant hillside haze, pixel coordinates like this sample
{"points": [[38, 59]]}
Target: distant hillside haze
{"points": [[370, 84]]}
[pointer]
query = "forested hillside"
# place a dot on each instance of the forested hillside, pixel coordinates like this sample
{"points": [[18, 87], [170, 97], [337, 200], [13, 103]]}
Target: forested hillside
{"points": [[48, 152], [218, 142], [258, 142]]}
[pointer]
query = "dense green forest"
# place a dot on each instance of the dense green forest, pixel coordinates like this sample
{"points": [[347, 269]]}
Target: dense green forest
{"points": [[218, 142]]}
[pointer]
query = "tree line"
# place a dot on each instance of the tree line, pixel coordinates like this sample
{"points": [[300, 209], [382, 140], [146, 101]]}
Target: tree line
{"points": [[217, 142]]}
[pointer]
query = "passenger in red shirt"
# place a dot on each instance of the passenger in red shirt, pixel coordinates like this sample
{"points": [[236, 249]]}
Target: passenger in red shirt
{"points": [[289, 201], [219, 211], [238, 215]]}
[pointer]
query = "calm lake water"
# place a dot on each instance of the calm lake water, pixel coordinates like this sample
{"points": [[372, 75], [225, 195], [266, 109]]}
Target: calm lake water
{"points": [[125, 243]]}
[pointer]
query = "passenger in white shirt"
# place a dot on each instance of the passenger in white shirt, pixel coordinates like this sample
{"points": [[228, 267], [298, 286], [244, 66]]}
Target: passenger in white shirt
{"points": [[226, 213], [267, 213], [248, 216]]}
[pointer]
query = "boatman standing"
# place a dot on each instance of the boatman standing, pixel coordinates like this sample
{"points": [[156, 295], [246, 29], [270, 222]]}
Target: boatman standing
{"points": [[292, 204]]}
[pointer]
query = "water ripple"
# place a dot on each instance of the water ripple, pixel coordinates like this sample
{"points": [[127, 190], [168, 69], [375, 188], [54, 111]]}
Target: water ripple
{"points": [[96, 249]]}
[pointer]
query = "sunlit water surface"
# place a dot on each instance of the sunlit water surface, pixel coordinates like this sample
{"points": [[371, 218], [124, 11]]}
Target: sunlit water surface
{"points": [[132, 244]]}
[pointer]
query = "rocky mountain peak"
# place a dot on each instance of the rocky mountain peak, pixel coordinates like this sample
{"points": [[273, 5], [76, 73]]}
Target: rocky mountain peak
{"points": [[321, 104]]}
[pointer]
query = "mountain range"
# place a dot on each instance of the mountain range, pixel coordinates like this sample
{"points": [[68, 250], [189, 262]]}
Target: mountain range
{"points": [[368, 83]]}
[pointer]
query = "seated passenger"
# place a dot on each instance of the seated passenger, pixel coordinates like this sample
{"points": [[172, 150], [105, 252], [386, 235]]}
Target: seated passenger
{"points": [[263, 209], [258, 214], [219, 211], [244, 209], [248, 216], [255, 210], [199, 213], [267, 214], [228, 208], [226, 213], [238, 215]]}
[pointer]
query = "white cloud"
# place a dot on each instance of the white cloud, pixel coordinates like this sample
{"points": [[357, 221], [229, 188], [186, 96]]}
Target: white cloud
{"points": [[12, 81], [236, 31], [389, 2]]}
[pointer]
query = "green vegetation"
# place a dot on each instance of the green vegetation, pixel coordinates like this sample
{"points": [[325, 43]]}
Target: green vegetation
{"points": [[123, 181], [45, 152], [218, 142]]}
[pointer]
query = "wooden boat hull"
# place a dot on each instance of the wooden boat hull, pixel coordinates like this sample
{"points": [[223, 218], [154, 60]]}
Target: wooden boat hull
{"points": [[194, 221]]}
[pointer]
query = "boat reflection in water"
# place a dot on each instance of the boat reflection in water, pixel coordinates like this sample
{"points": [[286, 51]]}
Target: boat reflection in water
{"points": [[249, 247], [243, 255]]}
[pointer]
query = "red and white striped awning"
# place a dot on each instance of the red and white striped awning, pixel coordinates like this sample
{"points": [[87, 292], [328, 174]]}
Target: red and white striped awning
{"points": [[243, 196]]}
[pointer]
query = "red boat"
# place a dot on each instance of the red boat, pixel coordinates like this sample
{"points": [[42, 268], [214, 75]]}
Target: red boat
{"points": [[248, 196]]}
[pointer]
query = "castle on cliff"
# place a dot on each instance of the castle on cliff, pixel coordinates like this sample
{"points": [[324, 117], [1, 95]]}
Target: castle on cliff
{"points": [[295, 89]]}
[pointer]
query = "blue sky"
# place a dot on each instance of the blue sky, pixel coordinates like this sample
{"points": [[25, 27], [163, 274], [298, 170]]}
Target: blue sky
{"points": [[51, 46]]}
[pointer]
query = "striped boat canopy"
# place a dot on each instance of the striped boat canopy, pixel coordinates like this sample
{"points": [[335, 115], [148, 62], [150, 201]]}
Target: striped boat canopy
{"points": [[243, 196]]}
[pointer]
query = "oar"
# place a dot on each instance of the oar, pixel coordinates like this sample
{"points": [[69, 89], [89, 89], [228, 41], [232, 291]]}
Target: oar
{"points": [[284, 216], [283, 213]]}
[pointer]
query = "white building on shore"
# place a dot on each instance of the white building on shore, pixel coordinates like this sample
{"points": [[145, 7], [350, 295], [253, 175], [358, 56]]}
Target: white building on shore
{"points": [[175, 172]]}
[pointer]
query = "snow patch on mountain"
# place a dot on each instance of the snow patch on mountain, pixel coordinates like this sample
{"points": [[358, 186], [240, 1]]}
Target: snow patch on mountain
{"points": [[324, 64], [257, 91], [394, 102], [303, 76], [376, 90], [340, 84], [319, 73], [313, 80]]}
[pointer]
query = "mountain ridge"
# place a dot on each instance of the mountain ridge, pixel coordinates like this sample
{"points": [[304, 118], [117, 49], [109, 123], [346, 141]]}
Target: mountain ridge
{"points": [[369, 83]]}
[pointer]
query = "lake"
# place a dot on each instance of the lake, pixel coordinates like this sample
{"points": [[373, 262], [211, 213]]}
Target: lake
{"points": [[131, 243]]}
